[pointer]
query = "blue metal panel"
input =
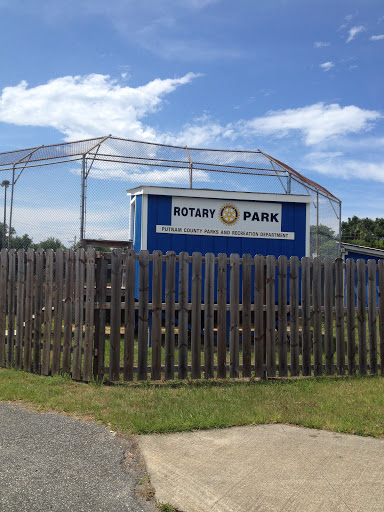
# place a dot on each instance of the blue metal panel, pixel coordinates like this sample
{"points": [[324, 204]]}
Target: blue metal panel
{"points": [[358, 256], [293, 215]]}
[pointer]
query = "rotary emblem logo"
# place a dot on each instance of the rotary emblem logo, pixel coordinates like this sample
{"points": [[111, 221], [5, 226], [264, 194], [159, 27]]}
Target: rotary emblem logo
{"points": [[229, 214]]}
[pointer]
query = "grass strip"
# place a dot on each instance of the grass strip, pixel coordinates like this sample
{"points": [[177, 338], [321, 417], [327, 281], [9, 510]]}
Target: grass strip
{"points": [[351, 405]]}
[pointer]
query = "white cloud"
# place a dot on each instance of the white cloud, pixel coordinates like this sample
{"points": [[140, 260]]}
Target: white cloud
{"points": [[199, 135], [377, 38], [326, 66], [336, 165], [87, 106], [321, 44], [94, 105], [369, 144], [317, 123], [143, 175], [178, 177], [354, 31]]}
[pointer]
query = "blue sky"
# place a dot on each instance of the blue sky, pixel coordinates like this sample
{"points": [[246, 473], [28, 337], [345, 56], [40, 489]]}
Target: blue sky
{"points": [[301, 80]]}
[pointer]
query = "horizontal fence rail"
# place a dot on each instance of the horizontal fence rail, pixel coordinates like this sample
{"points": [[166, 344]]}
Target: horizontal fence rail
{"points": [[127, 316]]}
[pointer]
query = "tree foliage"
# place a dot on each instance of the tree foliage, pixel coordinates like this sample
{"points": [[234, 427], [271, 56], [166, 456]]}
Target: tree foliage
{"points": [[327, 240], [367, 232], [21, 242], [50, 243], [26, 242]]}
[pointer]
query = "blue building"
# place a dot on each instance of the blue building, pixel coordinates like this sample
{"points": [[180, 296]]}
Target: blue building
{"points": [[359, 252], [202, 220]]}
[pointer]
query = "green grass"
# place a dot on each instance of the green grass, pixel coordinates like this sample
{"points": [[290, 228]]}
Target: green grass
{"points": [[352, 405]]}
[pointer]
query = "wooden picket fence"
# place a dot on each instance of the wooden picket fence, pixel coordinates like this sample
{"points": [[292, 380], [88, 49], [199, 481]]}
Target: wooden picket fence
{"points": [[123, 315]]}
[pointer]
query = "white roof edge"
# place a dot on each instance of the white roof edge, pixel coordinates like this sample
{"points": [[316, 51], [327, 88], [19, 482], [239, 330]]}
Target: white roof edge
{"points": [[372, 251], [219, 194]]}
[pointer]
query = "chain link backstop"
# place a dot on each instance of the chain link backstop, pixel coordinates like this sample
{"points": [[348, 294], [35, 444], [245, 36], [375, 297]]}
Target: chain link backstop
{"points": [[69, 191]]}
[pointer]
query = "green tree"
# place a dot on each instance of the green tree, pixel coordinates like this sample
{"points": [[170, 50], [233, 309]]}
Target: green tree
{"points": [[328, 241], [51, 243], [365, 231], [21, 242]]}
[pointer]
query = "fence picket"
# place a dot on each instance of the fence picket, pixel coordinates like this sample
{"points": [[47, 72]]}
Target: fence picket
{"points": [[361, 317], [20, 308], [317, 317], [38, 310], [129, 314], [115, 316], [68, 310], [294, 314], [372, 325], [79, 315], [143, 315], [246, 316], [282, 316], [58, 311], [234, 265], [100, 317], [183, 316], [89, 314], [47, 312], [328, 315], [339, 313], [222, 316], [259, 316], [196, 316], [350, 302], [306, 314], [270, 316], [381, 314], [209, 299], [157, 281], [170, 265], [3, 304], [11, 307], [28, 313]]}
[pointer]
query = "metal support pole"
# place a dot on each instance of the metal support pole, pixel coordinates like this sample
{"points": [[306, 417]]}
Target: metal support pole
{"points": [[190, 168], [5, 184], [11, 210], [289, 184], [82, 200], [190, 176]]}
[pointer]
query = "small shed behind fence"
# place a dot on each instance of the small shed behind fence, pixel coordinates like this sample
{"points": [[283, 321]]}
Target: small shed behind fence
{"points": [[359, 252]]}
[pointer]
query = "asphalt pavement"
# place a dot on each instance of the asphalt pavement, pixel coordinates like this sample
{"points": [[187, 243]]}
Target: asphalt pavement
{"points": [[52, 462]]}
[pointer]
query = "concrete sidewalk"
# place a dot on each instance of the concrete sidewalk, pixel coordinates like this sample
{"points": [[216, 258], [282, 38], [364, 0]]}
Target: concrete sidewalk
{"points": [[266, 468]]}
